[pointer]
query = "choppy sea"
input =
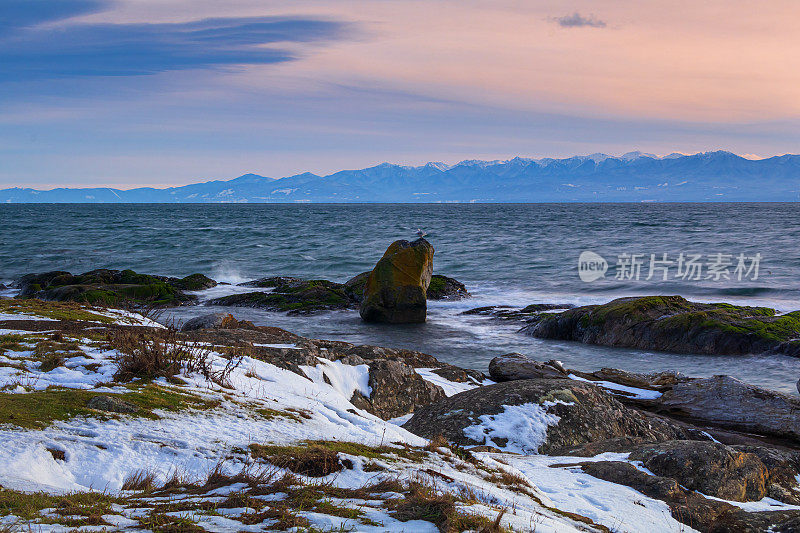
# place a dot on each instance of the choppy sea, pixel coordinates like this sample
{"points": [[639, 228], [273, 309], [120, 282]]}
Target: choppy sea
{"points": [[505, 254]]}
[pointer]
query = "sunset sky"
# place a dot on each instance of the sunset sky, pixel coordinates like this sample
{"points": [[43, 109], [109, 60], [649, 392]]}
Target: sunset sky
{"points": [[159, 92]]}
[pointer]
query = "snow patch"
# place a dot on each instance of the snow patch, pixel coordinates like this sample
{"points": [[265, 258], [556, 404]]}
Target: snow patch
{"points": [[345, 379], [450, 387], [523, 426]]}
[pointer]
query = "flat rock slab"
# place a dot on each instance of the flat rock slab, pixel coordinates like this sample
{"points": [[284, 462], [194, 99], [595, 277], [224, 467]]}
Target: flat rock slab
{"points": [[728, 402]]}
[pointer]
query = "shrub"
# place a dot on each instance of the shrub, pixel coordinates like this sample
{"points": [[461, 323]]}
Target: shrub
{"points": [[152, 355]]}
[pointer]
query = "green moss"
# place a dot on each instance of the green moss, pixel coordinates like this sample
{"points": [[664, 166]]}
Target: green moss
{"points": [[12, 342], [350, 448], [39, 409], [437, 284], [28, 505], [54, 310], [195, 282], [271, 414]]}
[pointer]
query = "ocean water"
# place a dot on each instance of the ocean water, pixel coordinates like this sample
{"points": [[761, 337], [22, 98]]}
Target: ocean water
{"points": [[505, 254]]}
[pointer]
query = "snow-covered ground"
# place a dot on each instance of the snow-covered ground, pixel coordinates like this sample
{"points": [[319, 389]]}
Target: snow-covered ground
{"points": [[262, 404]]}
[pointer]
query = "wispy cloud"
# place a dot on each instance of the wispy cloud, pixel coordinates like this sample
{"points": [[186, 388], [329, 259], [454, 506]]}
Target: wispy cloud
{"points": [[576, 20], [29, 51], [17, 14]]}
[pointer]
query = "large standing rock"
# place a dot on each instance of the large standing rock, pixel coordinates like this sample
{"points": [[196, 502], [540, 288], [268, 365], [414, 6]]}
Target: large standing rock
{"points": [[550, 416], [396, 290], [727, 402]]}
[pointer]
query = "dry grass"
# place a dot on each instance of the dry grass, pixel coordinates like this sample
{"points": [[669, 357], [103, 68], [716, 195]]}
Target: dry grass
{"points": [[313, 461], [140, 480], [150, 355]]}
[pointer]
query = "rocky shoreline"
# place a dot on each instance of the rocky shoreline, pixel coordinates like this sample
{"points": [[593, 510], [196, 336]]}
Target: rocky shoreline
{"points": [[716, 453]]}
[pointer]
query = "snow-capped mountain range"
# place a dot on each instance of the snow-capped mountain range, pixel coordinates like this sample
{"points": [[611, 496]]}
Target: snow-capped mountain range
{"points": [[632, 177]]}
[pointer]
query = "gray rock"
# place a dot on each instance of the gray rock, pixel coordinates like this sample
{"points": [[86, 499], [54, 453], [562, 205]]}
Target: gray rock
{"points": [[727, 402], [586, 415], [396, 390], [209, 321], [708, 467], [111, 404], [691, 508], [514, 366], [656, 380]]}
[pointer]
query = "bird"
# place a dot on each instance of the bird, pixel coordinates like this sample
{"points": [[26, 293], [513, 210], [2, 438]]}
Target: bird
{"points": [[421, 233]]}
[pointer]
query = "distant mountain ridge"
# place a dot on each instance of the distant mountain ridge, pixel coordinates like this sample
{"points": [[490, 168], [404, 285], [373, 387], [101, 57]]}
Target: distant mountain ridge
{"points": [[632, 177]]}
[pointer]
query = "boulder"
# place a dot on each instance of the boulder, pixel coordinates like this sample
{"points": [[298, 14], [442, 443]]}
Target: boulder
{"points": [[396, 389], [209, 321], [558, 414], [193, 282], [444, 288], [673, 324], [396, 290], [692, 508], [111, 404], [727, 402], [708, 467], [514, 366]]}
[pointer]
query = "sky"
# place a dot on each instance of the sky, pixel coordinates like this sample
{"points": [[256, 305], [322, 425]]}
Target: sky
{"points": [[131, 93]]}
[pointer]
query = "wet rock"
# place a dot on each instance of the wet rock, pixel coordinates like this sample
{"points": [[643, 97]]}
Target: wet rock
{"points": [[585, 414], [727, 402], [274, 281], [355, 286], [444, 288], [396, 390], [671, 323], [211, 320], [526, 315], [657, 380], [111, 404], [708, 467], [104, 286], [194, 282], [514, 366], [292, 295], [396, 290]]}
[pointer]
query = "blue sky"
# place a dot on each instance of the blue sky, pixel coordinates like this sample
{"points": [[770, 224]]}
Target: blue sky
{"points": [[158, 92]]}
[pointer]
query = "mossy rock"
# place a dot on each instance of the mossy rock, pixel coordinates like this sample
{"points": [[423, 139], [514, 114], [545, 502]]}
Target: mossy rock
{"points": [[396, 290], [294, 296], [111, 287], [444, 288], [674, 324], [194, 282]]}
